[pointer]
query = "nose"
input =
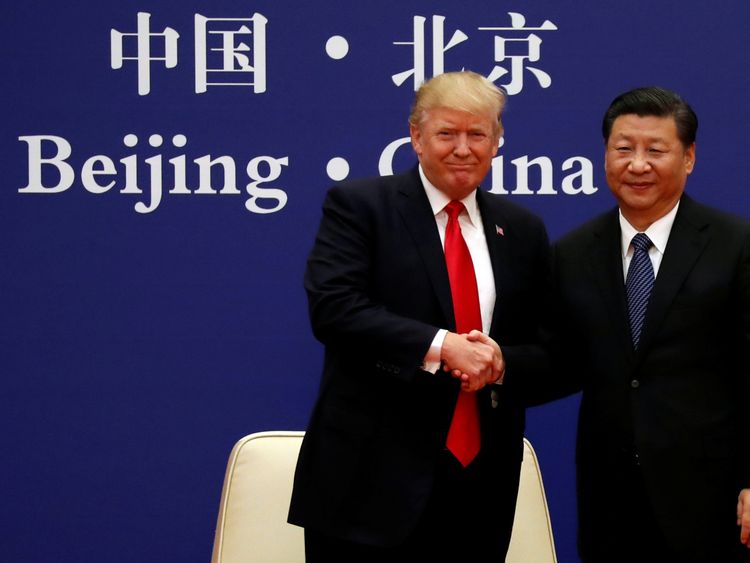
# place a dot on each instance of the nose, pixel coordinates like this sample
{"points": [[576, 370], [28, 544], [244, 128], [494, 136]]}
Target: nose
{"points": [[639, 163], [461, 146]]}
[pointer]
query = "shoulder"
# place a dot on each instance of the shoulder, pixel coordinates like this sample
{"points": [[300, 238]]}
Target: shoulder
{"points": [[705, 216], [375, 187], [500, 208], [726, 233], [602, 224], [365, 203], [370, 196]]}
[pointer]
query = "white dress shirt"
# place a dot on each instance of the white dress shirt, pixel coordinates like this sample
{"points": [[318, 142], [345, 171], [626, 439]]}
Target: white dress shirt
{"points": [[472, 230], [658, 232]]}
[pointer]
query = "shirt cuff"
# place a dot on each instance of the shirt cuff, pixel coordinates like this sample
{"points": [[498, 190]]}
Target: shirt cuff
{"points": [[431, 361]]}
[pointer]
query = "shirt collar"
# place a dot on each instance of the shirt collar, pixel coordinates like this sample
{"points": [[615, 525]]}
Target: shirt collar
{"points": [[438, 200], [658, 231]]}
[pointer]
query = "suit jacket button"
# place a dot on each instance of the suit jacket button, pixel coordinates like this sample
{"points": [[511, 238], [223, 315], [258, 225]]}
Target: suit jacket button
{"points": [[635, 384]]}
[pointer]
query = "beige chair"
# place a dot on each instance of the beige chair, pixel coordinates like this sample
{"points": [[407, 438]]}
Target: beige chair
{"points": [[252, 527], [531, 540]]}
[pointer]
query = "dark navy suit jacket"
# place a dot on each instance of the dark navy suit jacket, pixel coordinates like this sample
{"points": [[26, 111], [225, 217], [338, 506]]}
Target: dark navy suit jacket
{"points": [[378, 292], [681, 401]]}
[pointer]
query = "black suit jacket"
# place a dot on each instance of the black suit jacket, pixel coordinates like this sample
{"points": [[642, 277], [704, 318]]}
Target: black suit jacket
{"points": [[681, 401], [378, 292]]}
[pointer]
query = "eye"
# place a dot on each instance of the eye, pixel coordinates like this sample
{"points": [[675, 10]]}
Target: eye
{"points": [[623, 149], [653, 150]]}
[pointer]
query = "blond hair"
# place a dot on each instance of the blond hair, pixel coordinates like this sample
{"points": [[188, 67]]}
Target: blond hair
{"points": [[464, 90]]}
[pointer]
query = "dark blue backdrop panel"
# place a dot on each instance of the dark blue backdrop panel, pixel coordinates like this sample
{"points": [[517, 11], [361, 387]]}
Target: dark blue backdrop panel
{"points": [[163, 169]]}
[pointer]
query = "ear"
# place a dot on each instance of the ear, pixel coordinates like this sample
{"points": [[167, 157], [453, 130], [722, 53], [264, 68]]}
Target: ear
{"points": [[416, 139], [690, 158]]}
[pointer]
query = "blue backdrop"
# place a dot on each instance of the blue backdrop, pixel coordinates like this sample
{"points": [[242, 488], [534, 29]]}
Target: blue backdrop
{"points": [[163, 166]]}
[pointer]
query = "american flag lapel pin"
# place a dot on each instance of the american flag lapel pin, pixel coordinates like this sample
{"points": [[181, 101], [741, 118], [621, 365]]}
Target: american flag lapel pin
{"points": [[499, 230]]}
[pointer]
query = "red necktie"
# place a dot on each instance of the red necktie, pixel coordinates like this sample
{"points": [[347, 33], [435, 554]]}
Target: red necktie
{"points": [[463, 436]]}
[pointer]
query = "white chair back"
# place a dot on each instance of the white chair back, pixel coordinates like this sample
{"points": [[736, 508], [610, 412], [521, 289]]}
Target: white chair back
{"points": [[252, 527], [532, 538]]}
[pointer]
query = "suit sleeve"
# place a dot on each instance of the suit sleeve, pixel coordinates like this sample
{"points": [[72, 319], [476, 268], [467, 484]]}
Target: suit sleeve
{"points": [[744, 288], [346, 308], [545, 369]]}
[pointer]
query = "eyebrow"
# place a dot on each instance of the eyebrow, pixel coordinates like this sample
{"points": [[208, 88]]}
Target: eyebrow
{"points": [[622, 136]]}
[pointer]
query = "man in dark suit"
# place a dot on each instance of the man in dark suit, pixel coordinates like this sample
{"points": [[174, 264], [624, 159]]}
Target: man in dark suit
{"points": [[389, 468], [656, 332]]}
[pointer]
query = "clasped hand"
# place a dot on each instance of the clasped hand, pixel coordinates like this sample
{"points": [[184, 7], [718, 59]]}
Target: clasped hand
{"points": [[474, 358], [743, 516]]}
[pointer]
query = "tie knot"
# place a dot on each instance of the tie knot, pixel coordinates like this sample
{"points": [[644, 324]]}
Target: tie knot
{"points": [[641, 242], [454, 209]]}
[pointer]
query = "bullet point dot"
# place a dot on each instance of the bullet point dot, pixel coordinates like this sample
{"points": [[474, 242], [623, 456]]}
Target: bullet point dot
{"points": [[337, 47], [337, 169]]}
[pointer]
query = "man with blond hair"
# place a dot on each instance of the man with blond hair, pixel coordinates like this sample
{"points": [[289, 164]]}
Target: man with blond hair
{"points": [[414, 447]]}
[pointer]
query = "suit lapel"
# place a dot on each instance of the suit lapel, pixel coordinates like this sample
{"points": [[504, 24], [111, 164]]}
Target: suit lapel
{"points": [[495, 225], [605, 266], [686, 242], [415, 210]]}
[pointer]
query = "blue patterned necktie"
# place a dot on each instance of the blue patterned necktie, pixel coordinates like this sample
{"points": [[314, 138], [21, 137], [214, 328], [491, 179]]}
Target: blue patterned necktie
{"points": [[639, 284]]}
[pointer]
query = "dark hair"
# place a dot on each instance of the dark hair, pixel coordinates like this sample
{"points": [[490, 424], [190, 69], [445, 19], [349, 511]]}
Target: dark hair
{"points": [[655, 101]]}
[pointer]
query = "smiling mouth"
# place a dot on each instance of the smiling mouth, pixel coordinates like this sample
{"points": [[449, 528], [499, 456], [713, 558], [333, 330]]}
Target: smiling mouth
{"points": [[639, 185]]}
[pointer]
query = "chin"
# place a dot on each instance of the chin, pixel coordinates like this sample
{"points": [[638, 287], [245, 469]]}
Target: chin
{"points": [[461, 191]]}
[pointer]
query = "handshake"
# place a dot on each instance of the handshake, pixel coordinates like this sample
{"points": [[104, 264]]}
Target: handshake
{"points": [[474, 358]]}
